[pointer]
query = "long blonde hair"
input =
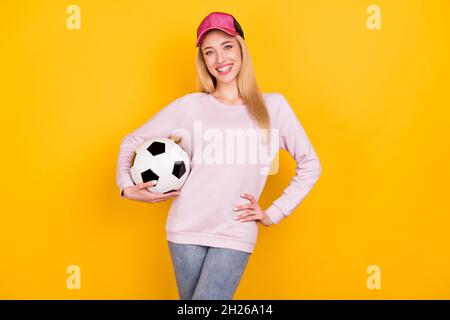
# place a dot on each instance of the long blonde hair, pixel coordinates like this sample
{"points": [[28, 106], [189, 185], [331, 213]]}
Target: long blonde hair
{"points": [[247, 87]]}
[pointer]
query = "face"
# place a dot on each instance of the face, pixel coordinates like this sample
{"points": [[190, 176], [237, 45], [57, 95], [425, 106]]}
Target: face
{"points": [[220, 51]]}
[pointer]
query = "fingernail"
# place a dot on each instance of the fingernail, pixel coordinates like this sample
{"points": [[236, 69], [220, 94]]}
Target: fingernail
{"points": [[154, 181], [235, 208], [242, 220], [235, 218]]}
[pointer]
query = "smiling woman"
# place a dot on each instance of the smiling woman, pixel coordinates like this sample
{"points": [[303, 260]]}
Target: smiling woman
{"points": [[224, 67], [212, 224]]}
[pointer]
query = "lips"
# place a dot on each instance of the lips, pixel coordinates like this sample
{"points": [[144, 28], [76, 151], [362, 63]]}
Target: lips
{"points": [[224, 69]]}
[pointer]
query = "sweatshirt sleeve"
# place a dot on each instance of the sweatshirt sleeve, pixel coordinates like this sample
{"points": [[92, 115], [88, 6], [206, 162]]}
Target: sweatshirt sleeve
{"points": [[293, 139], [160, 125]]}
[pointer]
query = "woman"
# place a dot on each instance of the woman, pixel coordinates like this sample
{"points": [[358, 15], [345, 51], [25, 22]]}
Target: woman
{"points": [[213, 220]]}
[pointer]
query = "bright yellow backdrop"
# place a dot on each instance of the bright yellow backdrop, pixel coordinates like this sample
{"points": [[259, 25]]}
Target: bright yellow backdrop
{"points": [[373, 102]]}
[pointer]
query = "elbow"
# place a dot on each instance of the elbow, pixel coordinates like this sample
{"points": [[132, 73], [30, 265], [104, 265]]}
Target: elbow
{"points": [[127, 139], [318, 169]]}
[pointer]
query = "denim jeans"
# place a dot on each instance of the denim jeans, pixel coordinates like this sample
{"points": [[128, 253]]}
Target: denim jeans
{"points": [[207, 273]]}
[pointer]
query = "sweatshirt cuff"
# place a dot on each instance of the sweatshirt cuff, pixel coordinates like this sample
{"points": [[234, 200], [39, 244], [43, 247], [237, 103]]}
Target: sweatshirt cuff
{"points": [[275, 213], [123, 185], [121, 190]]}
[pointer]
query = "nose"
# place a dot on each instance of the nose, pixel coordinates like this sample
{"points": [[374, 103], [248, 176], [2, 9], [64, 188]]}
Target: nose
{"points": [[219, 56]]}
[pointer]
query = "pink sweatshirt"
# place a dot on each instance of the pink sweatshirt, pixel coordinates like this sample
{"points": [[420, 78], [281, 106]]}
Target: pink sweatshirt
{"points": [[203, 212]]}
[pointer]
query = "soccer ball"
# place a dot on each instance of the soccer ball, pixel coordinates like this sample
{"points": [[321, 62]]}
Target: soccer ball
{"points": [[163, 160]]}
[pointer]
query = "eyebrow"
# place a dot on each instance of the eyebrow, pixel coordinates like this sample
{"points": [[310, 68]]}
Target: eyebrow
{"points": [[220, 44]]}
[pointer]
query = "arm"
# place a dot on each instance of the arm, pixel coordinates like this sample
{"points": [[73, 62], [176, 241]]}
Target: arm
{"points": [[293, 139], [160, 125]]}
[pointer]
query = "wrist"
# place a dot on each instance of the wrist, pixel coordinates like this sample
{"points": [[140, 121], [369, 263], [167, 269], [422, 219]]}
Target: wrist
{"points": [[267, 219]]}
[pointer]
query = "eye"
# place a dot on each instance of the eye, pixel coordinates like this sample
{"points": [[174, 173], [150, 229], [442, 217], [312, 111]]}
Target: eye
{"points": [[227, 46]]}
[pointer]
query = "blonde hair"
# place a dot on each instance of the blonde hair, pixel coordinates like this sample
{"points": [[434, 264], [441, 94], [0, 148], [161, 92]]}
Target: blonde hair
{"points": [[247, 87]]}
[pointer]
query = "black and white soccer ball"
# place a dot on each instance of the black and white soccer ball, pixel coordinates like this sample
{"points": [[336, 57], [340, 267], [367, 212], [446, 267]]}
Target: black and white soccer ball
{"points": [[163, 160]]}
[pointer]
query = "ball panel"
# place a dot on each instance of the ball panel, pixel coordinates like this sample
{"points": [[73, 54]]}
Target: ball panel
{"points": [[179, 169], [156, 148], [149, 175]]}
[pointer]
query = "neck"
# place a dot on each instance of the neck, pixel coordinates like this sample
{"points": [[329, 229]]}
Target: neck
{"points": [[228, 91]]}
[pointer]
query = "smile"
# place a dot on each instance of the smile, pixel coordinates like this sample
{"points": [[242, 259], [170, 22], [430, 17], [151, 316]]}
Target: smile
{"points": [[224, 70]]}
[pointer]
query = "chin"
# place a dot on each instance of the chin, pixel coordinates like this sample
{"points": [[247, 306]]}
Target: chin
{"points": [[226, 81], [230, 78]]}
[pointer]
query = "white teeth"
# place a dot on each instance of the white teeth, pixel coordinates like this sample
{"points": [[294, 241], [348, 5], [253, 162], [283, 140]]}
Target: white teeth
{"points": [[224, 69]]}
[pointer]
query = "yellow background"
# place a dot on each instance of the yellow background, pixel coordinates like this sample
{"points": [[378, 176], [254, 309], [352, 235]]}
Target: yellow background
{"points": [[373, 102]]}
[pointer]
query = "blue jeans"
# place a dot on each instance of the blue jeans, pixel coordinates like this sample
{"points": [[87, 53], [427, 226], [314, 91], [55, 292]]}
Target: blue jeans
{"points": [[207, 273]]}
